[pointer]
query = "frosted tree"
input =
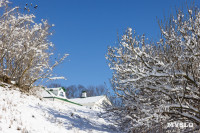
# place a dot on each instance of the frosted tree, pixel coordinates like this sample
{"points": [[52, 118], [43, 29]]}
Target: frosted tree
{"points": [[182, 37], [158, 83], [135, 65], [25, 52]]}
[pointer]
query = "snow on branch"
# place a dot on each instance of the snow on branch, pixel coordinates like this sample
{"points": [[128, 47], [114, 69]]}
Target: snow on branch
{"points": [[144, 72]]}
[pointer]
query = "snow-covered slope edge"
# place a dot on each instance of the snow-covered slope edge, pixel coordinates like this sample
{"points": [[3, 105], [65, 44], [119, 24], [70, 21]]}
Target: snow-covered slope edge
{"points": [[21, 113]]}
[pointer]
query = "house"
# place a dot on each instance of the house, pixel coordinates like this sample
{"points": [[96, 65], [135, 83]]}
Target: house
{"points": [[56, 94], [94, 102], [59, 92]]}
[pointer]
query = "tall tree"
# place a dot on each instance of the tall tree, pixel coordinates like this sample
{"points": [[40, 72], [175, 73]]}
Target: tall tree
{"points": [[25, 52], [159, 82]]}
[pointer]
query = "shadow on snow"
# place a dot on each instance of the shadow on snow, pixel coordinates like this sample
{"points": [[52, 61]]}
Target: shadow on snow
{"points": [[70, 121]]}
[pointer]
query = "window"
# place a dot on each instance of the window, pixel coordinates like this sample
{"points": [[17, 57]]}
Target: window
{"points": [[61, 94]]}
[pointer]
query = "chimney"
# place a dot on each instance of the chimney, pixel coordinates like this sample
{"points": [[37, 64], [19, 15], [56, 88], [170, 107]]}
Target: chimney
{"points": [[84, 94]]}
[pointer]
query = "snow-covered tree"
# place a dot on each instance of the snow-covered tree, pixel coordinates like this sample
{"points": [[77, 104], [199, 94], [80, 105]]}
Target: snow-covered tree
{"points": [[158, 82], [25, 52]]}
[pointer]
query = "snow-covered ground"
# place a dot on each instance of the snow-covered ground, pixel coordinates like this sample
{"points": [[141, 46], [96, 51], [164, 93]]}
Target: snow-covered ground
{"points": [[22, 113]]}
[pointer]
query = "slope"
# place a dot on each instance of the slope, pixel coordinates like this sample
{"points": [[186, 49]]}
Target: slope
{"points": [[23, 113]]}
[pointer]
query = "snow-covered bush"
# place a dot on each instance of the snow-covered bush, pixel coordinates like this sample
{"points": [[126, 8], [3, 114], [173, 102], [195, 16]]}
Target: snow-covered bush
{"points": [[24, 48], [159, 82]]}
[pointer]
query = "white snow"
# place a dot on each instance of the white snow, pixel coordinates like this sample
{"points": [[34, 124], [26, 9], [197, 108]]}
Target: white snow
{"points": [[94, 102], [87, 99], [27, 113], [54, 78]]}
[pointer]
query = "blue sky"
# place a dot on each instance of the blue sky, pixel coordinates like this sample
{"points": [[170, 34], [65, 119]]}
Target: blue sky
{"points": [[85, 28]]}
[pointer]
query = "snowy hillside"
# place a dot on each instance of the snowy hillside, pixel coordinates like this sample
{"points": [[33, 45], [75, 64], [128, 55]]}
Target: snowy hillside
{"points": [[21, 113]]}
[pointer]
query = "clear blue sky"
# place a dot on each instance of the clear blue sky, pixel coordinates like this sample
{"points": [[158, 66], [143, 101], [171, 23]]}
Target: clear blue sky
{"points": [[85, 28]]}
